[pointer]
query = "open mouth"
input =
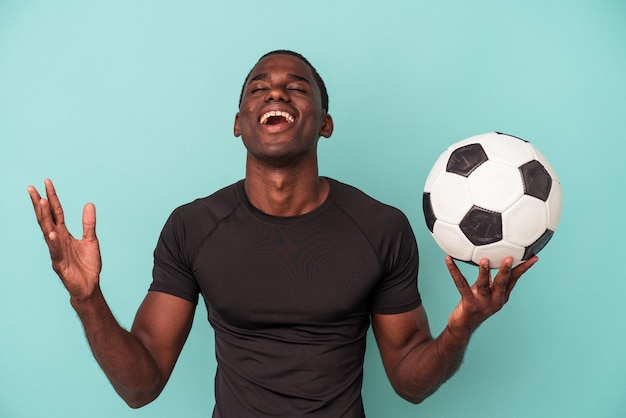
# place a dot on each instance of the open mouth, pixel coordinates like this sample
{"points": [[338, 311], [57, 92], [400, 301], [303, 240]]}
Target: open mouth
{"points": [[275, 117]]}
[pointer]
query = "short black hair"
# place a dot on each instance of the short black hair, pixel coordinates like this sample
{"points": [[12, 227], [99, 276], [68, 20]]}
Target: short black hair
{"points": [[316, 76]]}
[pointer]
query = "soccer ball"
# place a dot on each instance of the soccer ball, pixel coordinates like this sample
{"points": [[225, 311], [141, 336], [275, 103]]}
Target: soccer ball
{"points": [[492, 196]]}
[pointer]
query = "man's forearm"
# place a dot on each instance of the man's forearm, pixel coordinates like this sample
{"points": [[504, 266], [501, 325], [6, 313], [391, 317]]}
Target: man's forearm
{"points": [[126, 362], [429, 365]]}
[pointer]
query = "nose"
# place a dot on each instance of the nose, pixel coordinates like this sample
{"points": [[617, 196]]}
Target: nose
{"points": [[277, 94]]}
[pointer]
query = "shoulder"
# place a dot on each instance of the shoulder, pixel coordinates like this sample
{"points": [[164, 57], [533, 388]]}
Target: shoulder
{"points": [[365, 209], [193, 221], [386, 227], [212, 208]]}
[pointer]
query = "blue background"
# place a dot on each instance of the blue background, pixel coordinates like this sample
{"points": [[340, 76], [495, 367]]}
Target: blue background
{"points": [[131, 105]]}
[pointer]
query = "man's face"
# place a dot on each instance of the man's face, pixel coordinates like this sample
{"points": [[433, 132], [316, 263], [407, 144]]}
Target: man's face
{"points": [[281, 116]]}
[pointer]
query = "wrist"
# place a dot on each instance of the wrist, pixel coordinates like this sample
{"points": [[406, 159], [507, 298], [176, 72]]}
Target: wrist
{"points": [[83, 300], [457, 336]]}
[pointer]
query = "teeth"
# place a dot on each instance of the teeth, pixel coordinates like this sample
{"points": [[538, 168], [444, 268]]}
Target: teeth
{"points": [[271, 113]]}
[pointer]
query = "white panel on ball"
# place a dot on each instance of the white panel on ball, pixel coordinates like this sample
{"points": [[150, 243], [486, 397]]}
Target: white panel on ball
{"points": [[554, 203], [451, 198], [495, 186], [515, 226], [439, 168], [507, 149], [498, 252], [452, 241]]}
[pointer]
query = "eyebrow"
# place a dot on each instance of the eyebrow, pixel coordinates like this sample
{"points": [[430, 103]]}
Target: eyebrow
{"points": [[295, 77]]}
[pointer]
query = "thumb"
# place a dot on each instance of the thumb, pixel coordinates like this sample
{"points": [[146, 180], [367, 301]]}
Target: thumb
{"points": [[89, 221]]}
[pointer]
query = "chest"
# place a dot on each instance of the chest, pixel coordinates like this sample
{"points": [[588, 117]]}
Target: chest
{"points": [[266, 275]]}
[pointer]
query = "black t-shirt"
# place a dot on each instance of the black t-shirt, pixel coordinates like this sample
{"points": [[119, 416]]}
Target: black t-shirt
{"points": [[289, 298]]}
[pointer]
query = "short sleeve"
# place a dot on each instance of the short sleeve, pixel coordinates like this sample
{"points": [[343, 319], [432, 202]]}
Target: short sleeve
{"points": [[397, 291], [173, 272]]}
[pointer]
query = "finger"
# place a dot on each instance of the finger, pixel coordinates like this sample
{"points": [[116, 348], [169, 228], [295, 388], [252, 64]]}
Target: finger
{"points": [[519, 270], [54, 246], [459, 280], [35, 199], [45, 217], [89, 221], [523, 267], [484, 277], [55, 205], [501, 287], [42, 212]]}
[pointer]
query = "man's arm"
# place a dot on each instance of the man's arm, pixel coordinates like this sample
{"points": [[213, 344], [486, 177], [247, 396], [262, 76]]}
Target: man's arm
{"points": [[138, 363], [416, 364]]}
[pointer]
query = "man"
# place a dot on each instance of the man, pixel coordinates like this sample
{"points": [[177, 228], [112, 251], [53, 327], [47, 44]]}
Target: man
{"points": [[292, 267]]}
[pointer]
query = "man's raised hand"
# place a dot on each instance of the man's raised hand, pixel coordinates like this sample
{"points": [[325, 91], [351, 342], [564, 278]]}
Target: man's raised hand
{"points": [[485, 297], [77, 262]]}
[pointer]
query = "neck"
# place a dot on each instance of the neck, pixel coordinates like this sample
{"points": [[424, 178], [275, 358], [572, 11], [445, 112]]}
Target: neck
{"points": [[285, 191]]}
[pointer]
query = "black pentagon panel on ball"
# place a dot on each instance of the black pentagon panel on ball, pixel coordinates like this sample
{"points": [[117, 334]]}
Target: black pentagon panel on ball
{"points": [[538, 245], [464, 160], [537, 180], [482, 226], [429, 214]]}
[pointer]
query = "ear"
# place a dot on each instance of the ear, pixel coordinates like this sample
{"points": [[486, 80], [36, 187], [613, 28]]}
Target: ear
{"points": [[236, 129], [326, 130]]}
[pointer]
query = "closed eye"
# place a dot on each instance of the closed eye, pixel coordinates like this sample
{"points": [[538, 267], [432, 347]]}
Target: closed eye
{"points": [[258, 85], [299, 86]]}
